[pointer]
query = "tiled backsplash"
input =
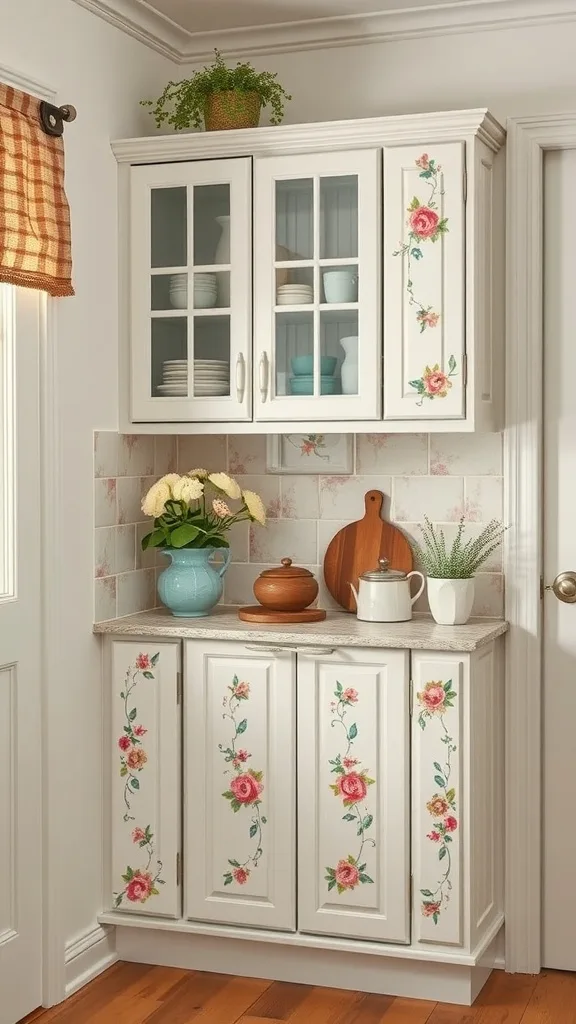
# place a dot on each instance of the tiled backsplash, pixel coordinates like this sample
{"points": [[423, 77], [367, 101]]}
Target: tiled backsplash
{"points": [[441, 475]]}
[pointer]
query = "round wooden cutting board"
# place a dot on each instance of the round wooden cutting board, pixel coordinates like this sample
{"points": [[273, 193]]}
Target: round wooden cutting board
{"points": [[256, 613], [357, 547]]}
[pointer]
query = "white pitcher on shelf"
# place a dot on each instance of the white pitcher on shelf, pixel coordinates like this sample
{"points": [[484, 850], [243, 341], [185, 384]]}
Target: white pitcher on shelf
{"points": [[222, 255], [349, 369]]}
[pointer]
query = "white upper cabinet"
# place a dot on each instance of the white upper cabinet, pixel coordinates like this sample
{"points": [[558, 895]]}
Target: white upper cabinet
{"points": [[191, 237], [317, 352]]}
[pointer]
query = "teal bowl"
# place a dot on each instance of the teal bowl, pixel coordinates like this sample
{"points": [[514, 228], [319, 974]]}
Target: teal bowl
{"points": [[303, 366], [305, 385]]}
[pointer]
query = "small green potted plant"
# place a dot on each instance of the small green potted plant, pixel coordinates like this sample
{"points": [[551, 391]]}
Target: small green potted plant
{"points": [[221, 96], [451, 571]]}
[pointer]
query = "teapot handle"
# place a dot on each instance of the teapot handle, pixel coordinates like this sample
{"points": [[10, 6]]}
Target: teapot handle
{"points": [[422, 585]]}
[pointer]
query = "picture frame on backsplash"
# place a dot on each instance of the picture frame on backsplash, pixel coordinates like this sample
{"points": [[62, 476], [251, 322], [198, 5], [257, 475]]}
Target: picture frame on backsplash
{"points": [[332, 454]]}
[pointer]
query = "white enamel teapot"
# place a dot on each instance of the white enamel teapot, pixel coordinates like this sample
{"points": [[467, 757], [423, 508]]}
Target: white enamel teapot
{"points": [[383, 594]]}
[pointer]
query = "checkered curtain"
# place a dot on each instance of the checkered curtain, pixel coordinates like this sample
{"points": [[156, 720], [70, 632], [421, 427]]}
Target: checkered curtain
{"points": [[34, 214]]}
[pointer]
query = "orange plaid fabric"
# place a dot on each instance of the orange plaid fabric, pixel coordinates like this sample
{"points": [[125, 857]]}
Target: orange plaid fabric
{"points": [[35, 248]]}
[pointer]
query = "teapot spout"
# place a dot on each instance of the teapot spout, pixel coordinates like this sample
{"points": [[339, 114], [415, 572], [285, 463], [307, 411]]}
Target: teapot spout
{"points": [[355, 592]]}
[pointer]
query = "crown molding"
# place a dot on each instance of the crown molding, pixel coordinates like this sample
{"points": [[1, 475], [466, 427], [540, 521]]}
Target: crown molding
{"points": [[139, 20], [312, 138], [18, 80]]}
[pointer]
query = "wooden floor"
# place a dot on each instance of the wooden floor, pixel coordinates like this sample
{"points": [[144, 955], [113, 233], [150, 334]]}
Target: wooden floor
{"points": [[135, 993]]}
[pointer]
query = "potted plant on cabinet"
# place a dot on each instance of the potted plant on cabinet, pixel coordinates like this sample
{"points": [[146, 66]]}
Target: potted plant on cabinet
{"points": [[221, 96], [191, 522], [450, 572]]}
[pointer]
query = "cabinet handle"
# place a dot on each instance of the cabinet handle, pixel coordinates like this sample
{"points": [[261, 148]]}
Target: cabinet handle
{"points": [[264, 376], [295, 650], [316, 650], [240, 377]]}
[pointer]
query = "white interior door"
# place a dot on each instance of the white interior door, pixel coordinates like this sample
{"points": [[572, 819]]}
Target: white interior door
{"points": [[20, 741], [559, 824]]}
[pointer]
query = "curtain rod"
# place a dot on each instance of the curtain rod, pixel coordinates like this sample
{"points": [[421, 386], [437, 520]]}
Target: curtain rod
{"points": [[52, 118]]}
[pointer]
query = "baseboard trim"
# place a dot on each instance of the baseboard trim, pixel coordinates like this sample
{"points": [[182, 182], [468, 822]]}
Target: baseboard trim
{"points": [[87, 956]]}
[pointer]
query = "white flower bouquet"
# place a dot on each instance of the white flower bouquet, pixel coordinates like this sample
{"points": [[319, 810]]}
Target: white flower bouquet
{"points": [[190, 511]]}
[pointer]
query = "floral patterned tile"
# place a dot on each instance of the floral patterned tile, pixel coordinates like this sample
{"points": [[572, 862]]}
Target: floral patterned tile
{"points": [[466, 454], [440, 498], [125, 548], [484, 498], [106, 444], [151, 557], [166, 454], [105, 599], [105, 502], [202, 451], [246, 453], [129, 495], [488, 594], [104, 551], [326, 530], [393, 454], [342, 497], [299, 497], [136, 455], [136, 591], [239, 583], [240, 542], [268, 487], [284, 538]]}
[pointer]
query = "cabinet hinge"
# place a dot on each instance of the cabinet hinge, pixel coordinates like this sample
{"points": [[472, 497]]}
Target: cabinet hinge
{"points": [[179, 688], [464, 186], [178, 869], [464, 370]]}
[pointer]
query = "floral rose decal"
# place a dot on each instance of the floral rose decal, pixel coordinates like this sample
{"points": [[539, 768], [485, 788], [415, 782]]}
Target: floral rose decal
{"points": [[424, 225], [246, 786], [434, 701], [434, 382], [351, 786], [141, 883], [133, 757]]}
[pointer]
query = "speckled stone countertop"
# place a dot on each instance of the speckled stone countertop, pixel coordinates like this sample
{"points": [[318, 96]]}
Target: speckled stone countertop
{"points": [[339, 629]]}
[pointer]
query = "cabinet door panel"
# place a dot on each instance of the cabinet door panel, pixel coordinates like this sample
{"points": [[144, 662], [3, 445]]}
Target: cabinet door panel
{"points": [[240, 785], [424, 273], [146, 791], [191, 294], [438, 815], [317, 282], [353, 803]]}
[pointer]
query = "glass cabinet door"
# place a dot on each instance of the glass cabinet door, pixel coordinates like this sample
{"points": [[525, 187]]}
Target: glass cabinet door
{"points": [[191, 291], [317, 312]]}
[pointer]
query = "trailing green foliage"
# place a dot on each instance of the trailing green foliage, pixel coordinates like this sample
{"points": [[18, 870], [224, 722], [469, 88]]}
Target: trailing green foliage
{"points": [[182, 103], [461, 561]]}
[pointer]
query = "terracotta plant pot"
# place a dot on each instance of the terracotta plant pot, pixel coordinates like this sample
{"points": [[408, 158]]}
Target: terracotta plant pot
{"points": [[287, 588], [233, 109]]}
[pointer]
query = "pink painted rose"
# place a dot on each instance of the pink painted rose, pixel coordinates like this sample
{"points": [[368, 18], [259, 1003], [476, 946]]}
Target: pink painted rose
{"points": [[136, 758], [438, 806], [350, 695], [434, 836], [450, 823], [246, 788], [124, 743], [423, 162], [242, 755], [139, 887], [433, 697], [428, 318], [241, 875], [138, 834], [352, 787], [431, 907], [143, 661], [423, 221], [139, 730], [242, 690], [436, 382], [346, 874], [349, 762]]}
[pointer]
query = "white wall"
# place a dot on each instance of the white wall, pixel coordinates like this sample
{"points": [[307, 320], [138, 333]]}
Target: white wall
{"points": [[104, 74], [511, 71]]}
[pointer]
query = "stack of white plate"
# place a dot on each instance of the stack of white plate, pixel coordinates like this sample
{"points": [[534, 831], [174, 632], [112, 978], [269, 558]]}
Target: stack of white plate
{"points": [[179, 291], [211, 378], [294, 294]]}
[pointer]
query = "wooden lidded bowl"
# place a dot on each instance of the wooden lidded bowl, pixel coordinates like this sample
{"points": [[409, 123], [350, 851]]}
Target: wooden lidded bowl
{"points": [[287, 588]]}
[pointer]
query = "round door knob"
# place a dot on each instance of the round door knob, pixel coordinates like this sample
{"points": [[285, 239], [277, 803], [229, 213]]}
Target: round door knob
{"points": [[564, 587]]}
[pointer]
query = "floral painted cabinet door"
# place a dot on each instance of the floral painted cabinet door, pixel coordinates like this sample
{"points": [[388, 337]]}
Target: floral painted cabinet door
{"points": [[424, 273], [353, 802], [239, 789], [145, 778]]}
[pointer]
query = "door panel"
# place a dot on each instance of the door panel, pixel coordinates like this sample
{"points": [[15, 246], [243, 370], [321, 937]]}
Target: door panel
{"points": [[146, 788], [240, 785], [353, 803], [424, 274]]}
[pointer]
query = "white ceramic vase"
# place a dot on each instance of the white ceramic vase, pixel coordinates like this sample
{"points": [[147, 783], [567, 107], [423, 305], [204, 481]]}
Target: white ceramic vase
{"points": [[450, 600], [349, 369], [222, 255]]}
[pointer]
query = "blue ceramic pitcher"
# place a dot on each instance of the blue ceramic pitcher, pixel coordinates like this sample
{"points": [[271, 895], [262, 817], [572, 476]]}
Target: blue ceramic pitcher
{"points": [[192, 584]]}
